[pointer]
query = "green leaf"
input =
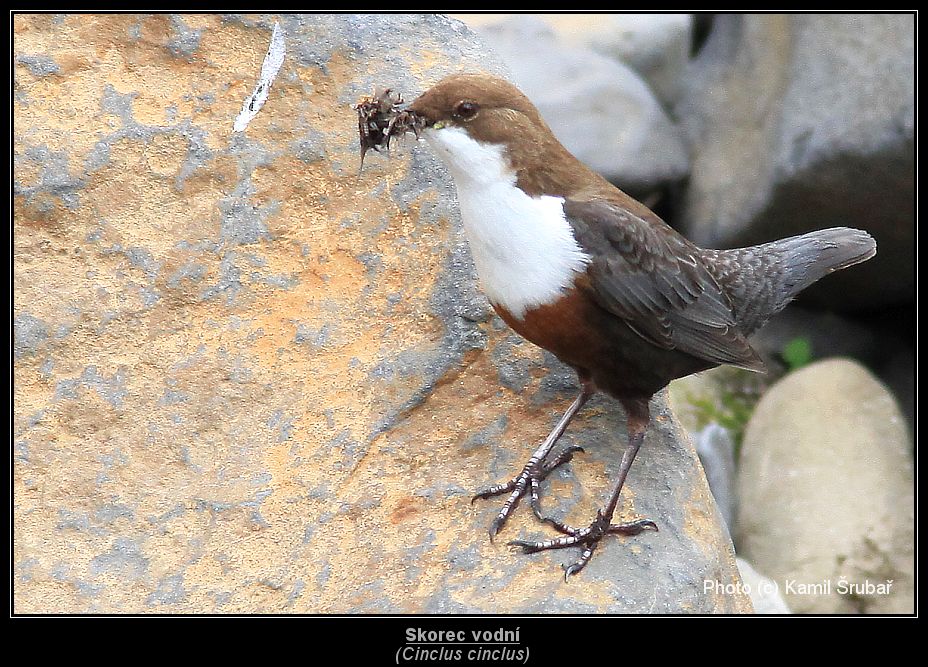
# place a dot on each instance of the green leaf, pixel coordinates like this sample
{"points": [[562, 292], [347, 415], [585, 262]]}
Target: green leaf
{"points": [[797, 353]]}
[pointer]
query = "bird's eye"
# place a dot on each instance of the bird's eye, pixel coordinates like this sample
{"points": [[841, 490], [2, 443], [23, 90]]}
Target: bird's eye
{"points": [[465, 110]]}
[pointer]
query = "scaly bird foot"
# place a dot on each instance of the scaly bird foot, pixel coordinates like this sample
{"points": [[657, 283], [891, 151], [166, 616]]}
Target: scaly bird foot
{"points": [[528, 481], [589, 537]]}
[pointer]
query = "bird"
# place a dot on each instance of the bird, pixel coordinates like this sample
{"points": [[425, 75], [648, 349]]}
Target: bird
{"points": [[579, 268]]}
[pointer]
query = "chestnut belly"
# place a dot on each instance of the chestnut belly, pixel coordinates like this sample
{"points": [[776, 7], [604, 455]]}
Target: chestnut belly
{"points": [[600, 346]]}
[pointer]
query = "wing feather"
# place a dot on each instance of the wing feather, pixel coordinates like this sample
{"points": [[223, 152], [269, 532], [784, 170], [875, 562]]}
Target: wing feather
{"points": [[645, 273]]}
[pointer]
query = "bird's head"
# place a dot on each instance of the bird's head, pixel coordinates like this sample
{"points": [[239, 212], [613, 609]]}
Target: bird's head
{"points": [[484, 128], [485, 107]]}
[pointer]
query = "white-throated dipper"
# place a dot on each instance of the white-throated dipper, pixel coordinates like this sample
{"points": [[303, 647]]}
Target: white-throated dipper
{"points": [[581, 269]]}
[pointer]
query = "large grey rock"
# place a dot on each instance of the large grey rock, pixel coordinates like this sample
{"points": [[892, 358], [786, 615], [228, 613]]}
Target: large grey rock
{"points": [[657, 46], [826, 492], [600, 109], [803, 122], [248, 379]]}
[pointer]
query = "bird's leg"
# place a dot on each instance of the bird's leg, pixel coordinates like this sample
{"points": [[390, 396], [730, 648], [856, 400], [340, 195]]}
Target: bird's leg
{"points": [[589, 537], [537, 468]]}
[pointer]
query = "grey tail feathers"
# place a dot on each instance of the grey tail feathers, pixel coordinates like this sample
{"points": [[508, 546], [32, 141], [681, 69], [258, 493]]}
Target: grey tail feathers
{"points": [[810, 257], [762, 280]]}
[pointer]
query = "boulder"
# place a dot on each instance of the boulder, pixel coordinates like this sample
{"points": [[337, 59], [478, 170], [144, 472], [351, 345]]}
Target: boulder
{"points": [[801, 122], [656, 46], [716, 449], [250, 379], [825, 492], [713, 407], [883, 342], [599, 108]]}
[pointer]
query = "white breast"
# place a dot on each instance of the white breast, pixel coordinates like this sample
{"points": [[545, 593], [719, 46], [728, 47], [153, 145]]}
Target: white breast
{"points": [[523, 247]]}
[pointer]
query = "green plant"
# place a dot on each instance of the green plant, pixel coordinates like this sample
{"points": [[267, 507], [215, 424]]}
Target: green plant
{"points": [[732, 412], [797, 353]]}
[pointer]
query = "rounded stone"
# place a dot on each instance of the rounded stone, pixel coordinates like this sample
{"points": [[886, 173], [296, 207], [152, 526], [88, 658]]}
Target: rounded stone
{"points": [[825, 492]]}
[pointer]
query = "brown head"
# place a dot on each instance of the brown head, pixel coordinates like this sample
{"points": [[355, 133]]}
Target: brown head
{"points": [[489, 108], [493, 111]]}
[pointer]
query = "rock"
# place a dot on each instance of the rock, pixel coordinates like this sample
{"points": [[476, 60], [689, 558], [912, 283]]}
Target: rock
{"points": [[248, 379], [764, 591], [656, 46], [600, 109], [881, 341], [803, 122], [714, 407], [724, 395], [825, 489], [716, 450], [895, 371]]}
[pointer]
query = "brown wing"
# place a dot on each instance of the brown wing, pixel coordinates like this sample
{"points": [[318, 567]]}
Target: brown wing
{"points": [[656, 281]]}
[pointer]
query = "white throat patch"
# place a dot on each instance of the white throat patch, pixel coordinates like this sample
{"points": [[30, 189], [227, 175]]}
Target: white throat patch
{"points": [[523, 247]]}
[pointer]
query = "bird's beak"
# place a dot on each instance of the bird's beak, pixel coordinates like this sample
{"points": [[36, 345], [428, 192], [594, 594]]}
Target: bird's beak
{"points": [[425, 112], [420, 116]]}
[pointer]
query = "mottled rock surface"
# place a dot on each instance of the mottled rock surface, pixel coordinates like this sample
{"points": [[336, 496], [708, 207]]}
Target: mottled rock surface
{"points": [[826, 492], [247, 380], [804, 122]]}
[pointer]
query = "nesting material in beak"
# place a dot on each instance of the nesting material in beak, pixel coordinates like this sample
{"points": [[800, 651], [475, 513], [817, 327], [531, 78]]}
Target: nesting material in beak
{"points": [[382, 117]]}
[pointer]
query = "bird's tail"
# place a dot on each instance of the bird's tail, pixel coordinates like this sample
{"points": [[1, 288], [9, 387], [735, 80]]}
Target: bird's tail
{"points": [[809, 257], [772, 274]]}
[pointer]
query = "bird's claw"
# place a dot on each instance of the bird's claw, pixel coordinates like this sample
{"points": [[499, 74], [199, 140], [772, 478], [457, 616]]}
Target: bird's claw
{"points": [[528, 481], [589, 537]]}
